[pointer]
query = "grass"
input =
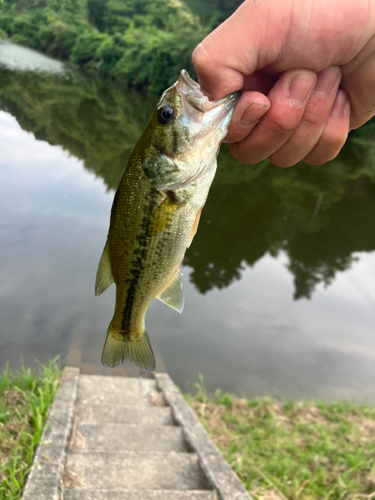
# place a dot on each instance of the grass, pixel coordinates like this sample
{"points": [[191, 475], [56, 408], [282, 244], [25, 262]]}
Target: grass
{"points": [[293, 450], [25, 399]]}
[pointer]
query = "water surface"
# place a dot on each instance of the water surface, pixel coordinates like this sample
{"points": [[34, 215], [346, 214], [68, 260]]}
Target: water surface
{"points": [[279, 282]]}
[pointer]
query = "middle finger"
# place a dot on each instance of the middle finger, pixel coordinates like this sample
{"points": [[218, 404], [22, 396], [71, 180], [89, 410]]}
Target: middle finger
{"points": [[313, 121], [288, 100]]}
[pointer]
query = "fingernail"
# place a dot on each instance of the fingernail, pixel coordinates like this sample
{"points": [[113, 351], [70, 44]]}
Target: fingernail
{"points": [[339, 106], [327, 79], [253, 113], [299, 88]]}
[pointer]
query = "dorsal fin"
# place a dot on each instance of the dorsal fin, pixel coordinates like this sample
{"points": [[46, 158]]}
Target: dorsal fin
{"points": [[104, 276], [172, 294]]}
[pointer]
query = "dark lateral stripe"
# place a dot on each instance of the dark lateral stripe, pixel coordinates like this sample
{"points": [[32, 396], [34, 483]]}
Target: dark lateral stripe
{"points": [[137, 267]]}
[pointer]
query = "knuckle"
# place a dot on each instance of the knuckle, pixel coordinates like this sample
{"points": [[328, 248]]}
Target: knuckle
{"points": [[282, 125], [280, 161], [334, 139], [314, 158], [242, 158], [314, 119], [320, 157], [240, 154], [327, 148], [201, 59]]}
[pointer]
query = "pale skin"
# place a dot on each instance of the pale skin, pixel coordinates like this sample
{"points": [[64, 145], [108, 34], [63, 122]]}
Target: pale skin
{"points": [[306, 69]]}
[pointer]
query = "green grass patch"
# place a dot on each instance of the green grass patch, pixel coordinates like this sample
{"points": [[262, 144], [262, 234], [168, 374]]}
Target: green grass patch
{"points": [[25, 400], [293, 450]]}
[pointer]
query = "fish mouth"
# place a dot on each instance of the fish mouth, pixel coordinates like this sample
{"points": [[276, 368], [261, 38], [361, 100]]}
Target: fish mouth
{"points": [[213, 110], [194, 86], [191, 91]]}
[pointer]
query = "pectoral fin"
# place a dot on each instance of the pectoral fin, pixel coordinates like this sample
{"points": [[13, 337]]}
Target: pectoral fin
{"points": [[163, 215], [195, 227], [172, 294], [104, 276]]}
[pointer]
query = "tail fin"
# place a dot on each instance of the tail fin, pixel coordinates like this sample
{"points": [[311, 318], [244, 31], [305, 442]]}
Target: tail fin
{"points": [[119, 347]]}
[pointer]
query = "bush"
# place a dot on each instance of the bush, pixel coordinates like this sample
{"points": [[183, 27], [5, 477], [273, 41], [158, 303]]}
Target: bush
{"points": [[155, 60], [86, 47], [147, 43], [58, 39]]}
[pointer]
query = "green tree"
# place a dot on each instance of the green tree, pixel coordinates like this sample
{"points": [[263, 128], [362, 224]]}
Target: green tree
{"points": [[146, 43]]}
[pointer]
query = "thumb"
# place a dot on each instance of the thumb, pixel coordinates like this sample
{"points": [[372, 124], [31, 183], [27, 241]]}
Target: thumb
{"points": [[216, 77], [222, 59], [240, 46]]}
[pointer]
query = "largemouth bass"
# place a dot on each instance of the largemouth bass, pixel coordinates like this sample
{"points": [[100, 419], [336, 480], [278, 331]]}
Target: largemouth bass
{"points": [[155, 213]]}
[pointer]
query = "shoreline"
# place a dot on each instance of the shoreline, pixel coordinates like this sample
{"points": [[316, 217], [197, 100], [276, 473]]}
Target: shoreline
{"points": [[280, 450]]}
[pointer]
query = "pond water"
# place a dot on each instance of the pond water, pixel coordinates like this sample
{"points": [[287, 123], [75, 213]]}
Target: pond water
{"points": [[279, 281]]}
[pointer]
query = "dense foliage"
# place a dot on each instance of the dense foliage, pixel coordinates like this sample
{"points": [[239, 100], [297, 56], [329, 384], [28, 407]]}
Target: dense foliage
{"points": [[146, 43], [319, 216]]}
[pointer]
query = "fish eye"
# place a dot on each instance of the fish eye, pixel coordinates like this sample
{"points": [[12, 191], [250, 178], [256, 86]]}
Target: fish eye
{"points": [[165, 114]]}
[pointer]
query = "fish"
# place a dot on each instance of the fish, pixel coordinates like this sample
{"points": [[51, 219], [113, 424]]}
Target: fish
{"points": [[156, 211]]}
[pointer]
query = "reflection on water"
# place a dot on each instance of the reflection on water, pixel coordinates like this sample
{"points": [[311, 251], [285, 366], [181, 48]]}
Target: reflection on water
{"points": [[15, 57], [280, 295]]}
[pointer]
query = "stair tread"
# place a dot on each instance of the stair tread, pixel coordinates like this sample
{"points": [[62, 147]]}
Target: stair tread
{"points": [[105, 494], [135, 471], [98, 413], [117, 390], [127, 437]]}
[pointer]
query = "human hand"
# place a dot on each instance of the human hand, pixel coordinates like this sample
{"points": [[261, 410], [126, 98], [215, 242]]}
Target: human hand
{"points": [[303, 113]]}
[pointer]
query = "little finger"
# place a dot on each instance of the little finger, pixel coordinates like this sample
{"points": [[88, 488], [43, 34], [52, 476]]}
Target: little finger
{"points": [[335, 133]]}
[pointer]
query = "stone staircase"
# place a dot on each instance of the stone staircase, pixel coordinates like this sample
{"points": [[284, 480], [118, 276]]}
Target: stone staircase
{"points": [[125, 445], [127, 438]]}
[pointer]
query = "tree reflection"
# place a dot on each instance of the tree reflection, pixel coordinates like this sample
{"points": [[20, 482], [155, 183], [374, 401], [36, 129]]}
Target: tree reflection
{"points": [[92, 118], [319, 216]]}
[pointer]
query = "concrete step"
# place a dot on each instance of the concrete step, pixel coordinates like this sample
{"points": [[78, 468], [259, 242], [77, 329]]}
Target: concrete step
{"points": [[70, 494], [117, 390], [123, 414], [127, 437], [131, 471]]}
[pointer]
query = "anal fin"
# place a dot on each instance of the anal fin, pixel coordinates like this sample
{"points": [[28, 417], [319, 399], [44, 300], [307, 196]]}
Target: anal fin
{"points": [[104, 276], [172, 295]]}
